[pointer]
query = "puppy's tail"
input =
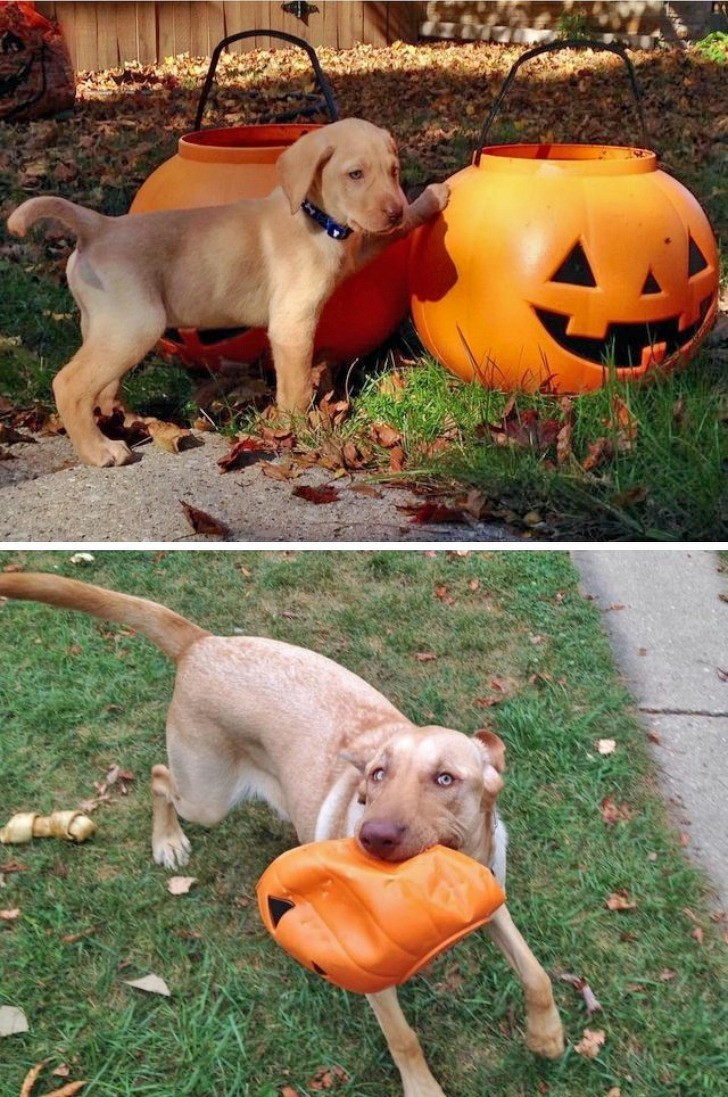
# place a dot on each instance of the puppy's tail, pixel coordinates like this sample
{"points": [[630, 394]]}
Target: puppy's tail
{"points": [[165, 628], [81, 221]]}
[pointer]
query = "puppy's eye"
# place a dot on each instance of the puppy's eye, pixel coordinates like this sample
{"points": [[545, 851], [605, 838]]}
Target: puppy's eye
{"points": [[357, 174], [444, 780], [377, 774]]}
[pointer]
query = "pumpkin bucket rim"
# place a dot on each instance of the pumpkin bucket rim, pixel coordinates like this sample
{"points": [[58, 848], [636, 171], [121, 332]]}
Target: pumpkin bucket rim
{"points": [[571, 157]]}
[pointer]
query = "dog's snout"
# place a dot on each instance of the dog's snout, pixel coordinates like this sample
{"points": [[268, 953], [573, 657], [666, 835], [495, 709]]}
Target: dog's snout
{"points": [[381, 837], [395, 213]]}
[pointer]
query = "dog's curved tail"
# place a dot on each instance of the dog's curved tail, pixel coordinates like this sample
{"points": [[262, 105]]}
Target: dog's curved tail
{"points": [[81, 221], [165, 628]]}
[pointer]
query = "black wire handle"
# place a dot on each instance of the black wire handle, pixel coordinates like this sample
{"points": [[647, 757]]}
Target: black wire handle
{"points": [[550, 47], [328, 101]]}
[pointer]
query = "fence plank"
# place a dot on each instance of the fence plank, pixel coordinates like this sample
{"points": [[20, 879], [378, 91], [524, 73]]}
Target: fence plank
{"points": [[375, 24], [103, 34]]}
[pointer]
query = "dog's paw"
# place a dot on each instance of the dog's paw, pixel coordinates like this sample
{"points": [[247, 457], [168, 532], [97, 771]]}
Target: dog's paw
{"points": [[441, 194], [547, 1037], [172, 852], [107, 454]]}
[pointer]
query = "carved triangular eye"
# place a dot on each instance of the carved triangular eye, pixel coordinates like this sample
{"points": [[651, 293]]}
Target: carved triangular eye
{"points": [[575, 269], [277, 908], [651, 285], [696, 259]]}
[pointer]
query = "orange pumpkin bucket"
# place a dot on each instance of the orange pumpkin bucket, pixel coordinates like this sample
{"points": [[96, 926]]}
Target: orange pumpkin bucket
{"points": [[215, 166], [555, 266], [366, 924]]}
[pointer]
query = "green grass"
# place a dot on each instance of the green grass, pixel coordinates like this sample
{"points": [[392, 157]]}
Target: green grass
{"points": [[77, 696], [668, 484]]}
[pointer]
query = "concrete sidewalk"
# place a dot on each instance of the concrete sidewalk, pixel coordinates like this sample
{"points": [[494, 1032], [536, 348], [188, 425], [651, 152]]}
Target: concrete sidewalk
{"points": [[669, 629]]}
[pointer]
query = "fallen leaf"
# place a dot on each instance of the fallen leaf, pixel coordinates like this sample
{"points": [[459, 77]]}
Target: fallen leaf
{"points": [[243, 452], [366, 489], [620, 901], [318, 495], [384, 435], [593, 1005], [31, 1078], [614, 813], [425, 656], [168, 436], [204, 523], [180, 885], [591, 1043], [606, 746], [10, 915], [397, 459], [283, 470], [432, 513], [12, 1021], [615, 1091], [150, 984]]}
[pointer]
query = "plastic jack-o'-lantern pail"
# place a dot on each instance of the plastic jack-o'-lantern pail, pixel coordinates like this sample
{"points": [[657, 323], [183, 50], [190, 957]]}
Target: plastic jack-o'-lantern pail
{"points": [[555, 266], [217, 166]]}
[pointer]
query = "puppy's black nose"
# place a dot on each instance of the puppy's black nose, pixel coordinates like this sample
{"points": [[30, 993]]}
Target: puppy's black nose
{"points": [[381, 837]]}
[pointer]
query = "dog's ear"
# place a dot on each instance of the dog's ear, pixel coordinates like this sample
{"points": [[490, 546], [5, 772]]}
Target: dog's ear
{"points": [[359, 763], [493, 750], [299, 165]]}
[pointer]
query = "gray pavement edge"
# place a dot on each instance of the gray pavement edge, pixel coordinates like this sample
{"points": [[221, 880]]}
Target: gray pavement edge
{"points": [[667, 618]]}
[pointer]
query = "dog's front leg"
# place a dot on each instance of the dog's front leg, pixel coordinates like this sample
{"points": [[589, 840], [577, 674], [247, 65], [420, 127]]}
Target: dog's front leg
{"points": [[404, 1046], [544, 1031], [291, 342]]}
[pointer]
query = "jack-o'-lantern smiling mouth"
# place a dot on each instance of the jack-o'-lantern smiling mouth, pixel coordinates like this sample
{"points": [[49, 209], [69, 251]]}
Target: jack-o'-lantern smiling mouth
{"points": [[625, 346]]}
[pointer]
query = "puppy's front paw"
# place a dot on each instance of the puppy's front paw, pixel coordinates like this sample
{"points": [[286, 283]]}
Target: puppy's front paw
{"points": [[546, 1037], [172, 851], [440, 194]]}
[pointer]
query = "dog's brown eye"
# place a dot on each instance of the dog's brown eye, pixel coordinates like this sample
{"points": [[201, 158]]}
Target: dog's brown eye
{"points": [[444, 779], [377, 774]]}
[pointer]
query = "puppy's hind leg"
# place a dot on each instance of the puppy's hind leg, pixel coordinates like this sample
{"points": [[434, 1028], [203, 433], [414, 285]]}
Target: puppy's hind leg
{"points": [[118, 329]]}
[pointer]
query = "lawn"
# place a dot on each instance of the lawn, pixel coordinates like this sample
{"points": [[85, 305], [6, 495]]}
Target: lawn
{"points": [[641, 462], [510, 644]]}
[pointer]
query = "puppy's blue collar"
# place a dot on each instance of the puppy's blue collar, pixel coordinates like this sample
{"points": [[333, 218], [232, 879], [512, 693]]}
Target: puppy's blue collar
{"points": [[331, 227]]}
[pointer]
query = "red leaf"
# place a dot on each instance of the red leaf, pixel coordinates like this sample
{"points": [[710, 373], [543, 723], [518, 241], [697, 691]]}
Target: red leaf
{"points": [[204, 523], [324, 494]]}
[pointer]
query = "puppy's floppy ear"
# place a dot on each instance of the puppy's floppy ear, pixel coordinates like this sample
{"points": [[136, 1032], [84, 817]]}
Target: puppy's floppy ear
{"points": [[299, 165], [493, 750], [359, 763]]}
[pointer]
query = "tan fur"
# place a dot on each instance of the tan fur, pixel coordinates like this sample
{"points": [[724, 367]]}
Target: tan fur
{"points": [[257, 263], [256, 717]]}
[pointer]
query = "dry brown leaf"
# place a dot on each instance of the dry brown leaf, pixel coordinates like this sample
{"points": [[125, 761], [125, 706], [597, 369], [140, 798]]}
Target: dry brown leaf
{"points": [[180, 885], [204, 523], [284, 470], [325, 493], [614, 813], [425, 656], [591, 1043], [10, 915], [168, 436], [31, 1078], [620, 901]]}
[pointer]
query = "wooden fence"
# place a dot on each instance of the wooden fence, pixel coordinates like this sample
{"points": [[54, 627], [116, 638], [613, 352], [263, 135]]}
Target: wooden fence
{"points": [[104, 35]]}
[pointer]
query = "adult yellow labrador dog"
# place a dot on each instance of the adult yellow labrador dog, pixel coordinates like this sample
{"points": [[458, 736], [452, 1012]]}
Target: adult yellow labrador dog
{"points": [[271, 262], [252, 717]]}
